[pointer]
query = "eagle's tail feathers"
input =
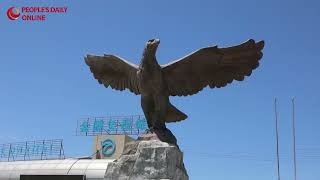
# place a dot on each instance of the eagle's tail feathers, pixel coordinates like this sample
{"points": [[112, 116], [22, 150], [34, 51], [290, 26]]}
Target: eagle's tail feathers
{"points": [[174, 114]]}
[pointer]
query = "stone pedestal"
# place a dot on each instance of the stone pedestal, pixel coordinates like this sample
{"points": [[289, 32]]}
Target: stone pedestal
{"points": [[148, 158]]}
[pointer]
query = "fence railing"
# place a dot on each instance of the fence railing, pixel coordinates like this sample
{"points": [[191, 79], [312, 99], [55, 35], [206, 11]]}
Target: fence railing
{"points": [[32, 150]]}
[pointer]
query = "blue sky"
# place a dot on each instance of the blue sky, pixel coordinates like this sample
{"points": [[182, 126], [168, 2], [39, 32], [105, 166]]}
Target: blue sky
{"points": [[46, 86]]}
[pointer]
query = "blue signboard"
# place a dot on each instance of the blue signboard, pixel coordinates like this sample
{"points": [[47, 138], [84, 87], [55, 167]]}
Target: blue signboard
{"points": [[130, 125], [32, 150]]}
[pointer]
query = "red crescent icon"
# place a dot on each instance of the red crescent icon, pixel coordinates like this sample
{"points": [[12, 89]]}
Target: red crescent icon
{"points": [[11, 15]]}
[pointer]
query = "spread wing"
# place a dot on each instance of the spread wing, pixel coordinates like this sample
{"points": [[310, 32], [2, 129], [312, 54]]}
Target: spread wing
{"points": [[213, 67], [113, 71]]}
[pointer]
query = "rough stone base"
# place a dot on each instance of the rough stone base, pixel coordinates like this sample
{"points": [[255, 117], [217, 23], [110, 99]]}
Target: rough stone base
{"points": [[152, 159]]}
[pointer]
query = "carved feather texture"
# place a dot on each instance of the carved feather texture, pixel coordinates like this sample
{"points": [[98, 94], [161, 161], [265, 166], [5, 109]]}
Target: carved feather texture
{"points": [[213, 67], [114, 71]]}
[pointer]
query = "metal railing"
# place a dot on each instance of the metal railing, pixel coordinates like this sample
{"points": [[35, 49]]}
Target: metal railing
{"points": [[32, 150]]}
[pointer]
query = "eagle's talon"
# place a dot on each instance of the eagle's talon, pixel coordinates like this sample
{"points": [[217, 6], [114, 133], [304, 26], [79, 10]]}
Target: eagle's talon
{"points": [[150, 130]]}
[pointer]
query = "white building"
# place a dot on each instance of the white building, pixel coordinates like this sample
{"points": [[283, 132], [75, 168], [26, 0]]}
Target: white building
{"points": [[90, 169]]}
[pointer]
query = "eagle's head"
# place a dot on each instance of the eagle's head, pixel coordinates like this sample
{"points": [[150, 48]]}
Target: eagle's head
{"points": [[152, 46]]}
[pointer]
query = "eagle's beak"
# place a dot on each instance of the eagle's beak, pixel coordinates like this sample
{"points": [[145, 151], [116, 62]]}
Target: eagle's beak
{"points": [[157, 41]]}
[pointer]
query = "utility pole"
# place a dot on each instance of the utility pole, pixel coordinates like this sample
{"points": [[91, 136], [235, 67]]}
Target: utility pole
{"points": [[294, 140], [277, 136]]}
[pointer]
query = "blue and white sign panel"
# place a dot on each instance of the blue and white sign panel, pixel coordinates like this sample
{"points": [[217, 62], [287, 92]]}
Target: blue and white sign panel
{"points": [[32, 150], [130, 125]]}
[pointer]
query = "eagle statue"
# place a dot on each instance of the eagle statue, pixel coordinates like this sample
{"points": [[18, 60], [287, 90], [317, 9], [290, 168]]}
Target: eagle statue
{"points": [[213, 66]]}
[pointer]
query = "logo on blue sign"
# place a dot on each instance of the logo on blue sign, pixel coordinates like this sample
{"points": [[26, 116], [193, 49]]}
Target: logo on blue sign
{"points": [[108, 147]]}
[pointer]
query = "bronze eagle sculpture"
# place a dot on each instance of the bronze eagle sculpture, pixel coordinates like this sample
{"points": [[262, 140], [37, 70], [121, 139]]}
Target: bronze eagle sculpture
{"points": [[210, 66]]}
